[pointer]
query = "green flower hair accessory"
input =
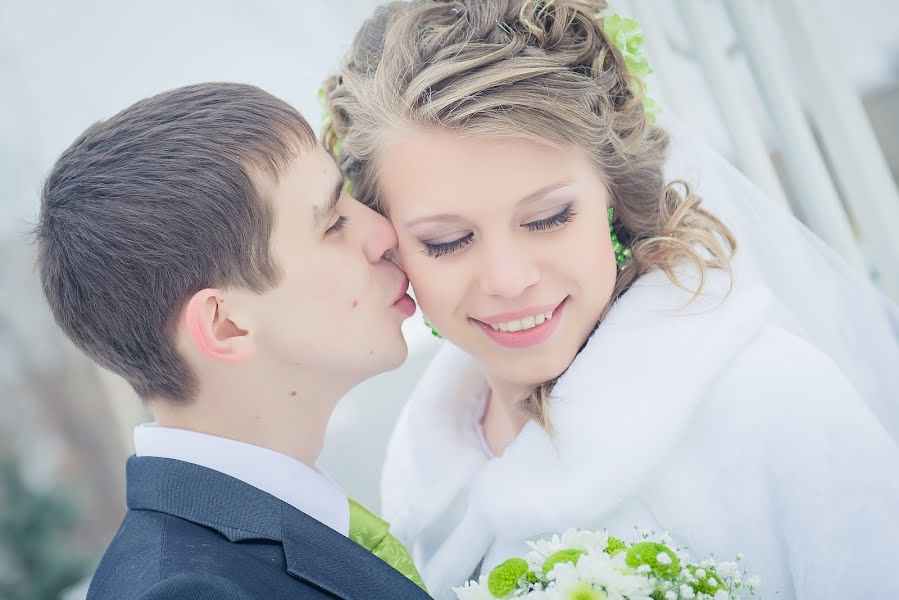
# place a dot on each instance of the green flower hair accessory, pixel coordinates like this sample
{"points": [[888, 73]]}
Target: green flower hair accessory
{"points": [[326, 119], [627, 36], [505, 576]]}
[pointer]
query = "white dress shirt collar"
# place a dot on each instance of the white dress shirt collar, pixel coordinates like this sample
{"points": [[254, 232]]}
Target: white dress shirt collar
{"points": [[305, 488]]}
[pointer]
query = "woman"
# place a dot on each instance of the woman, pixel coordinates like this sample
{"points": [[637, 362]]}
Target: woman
{"points": [[612, 361]]}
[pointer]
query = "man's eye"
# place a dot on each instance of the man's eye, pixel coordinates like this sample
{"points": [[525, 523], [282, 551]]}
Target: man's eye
{"points": [[338, 226]]}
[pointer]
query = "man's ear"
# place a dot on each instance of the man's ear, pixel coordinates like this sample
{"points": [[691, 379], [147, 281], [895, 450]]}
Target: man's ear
{"points": [[212, 331]]}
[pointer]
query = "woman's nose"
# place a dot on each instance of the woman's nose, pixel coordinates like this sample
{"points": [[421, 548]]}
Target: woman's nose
{"points": [[507, 273]]}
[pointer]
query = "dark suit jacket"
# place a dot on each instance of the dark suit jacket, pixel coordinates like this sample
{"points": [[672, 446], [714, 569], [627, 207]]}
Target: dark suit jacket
{"points": [[195, 533]]}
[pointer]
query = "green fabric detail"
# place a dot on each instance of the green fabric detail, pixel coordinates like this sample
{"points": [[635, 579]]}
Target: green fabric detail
{"points": [[373, 533]]}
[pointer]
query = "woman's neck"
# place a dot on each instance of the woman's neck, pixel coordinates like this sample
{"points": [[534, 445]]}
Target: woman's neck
{"points": [[504, 418]]}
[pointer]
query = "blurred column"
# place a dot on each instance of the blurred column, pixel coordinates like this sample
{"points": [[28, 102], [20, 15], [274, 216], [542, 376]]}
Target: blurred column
{"points": [[808, 173], [751, 151], [856, 158]]}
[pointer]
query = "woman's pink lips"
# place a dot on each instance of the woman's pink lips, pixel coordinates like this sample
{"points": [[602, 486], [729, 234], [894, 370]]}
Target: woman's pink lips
{"points": [[527, 337], [519, 314]]}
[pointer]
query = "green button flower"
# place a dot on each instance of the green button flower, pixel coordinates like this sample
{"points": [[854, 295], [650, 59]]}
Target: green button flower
{"points": [[662, 562], [569, 555], [505, 576]]}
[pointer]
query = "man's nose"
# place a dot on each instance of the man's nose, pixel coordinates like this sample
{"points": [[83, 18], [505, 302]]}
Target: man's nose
{"points": [[379, 241]]}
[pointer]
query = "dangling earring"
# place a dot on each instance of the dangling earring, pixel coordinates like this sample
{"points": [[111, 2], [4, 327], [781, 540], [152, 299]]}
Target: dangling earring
{"points": [[622, 252], [433, 331]]}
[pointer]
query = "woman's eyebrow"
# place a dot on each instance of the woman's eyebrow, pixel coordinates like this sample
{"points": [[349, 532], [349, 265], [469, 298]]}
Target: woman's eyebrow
{"points": [[530, 198]]}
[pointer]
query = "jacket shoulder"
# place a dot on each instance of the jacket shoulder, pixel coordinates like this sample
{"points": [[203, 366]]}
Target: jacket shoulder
{"points": [[197, 586]]}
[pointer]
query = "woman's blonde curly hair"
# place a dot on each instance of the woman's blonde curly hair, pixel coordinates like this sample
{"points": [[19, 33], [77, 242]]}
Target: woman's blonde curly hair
{"points": [[542, 70]]}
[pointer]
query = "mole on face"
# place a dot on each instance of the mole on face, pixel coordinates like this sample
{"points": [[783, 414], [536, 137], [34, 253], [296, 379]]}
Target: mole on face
{"points": [[293, 392], [355, 303]]}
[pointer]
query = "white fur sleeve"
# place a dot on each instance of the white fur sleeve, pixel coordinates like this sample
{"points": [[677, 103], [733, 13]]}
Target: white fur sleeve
{"points": [[833, 468]]}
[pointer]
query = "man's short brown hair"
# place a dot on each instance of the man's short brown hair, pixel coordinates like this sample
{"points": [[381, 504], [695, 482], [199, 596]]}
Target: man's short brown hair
{"points": [[149, 207]]}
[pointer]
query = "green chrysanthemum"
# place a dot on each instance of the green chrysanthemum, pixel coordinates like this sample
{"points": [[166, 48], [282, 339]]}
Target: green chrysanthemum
{"points": [[709, 584], [648, 553], [505, 576], [614, 546], [569, 555]]}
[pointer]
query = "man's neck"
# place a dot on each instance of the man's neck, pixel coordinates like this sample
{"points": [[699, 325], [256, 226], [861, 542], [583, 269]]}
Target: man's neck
{"points": [[291, 422]]}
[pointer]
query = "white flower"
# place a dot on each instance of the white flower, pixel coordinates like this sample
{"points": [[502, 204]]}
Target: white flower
{"points": [[740, 556], [753, 583], [700, 573], [721, 595], [609, 574], [663, 558], [474, 590], [669, 595], [577, 539], [728, 570], [686, 592]]}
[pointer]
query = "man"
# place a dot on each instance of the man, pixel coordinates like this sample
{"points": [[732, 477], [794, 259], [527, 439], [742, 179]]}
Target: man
{"points": [[200, 244]]}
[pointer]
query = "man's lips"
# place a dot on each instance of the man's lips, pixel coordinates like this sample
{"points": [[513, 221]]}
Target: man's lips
{"points": [[403, 288]]}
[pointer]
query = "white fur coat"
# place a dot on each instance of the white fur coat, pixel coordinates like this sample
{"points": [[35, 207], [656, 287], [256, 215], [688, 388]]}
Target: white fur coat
{"points": [[716, 423]]}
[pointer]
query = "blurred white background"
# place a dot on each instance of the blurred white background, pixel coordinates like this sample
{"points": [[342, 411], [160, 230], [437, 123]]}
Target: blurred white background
{"points": [[65, 65]]}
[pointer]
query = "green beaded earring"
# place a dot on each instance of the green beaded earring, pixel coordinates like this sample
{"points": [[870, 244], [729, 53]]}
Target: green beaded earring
{"points": [[622, 252], [433, 331]]}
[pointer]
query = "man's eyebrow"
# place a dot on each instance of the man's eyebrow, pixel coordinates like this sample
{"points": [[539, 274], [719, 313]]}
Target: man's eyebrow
{"points": [[320, 213], [528, 199]]}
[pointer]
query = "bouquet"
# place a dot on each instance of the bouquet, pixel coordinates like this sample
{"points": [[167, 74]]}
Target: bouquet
{"points": [[587, 565]]}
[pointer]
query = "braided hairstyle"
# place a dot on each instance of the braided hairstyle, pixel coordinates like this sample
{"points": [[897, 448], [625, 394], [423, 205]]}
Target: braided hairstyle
{"points": [[542, 70]]}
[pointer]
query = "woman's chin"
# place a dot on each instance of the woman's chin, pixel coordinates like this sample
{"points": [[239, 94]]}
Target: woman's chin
{"points": [[530, 371]]}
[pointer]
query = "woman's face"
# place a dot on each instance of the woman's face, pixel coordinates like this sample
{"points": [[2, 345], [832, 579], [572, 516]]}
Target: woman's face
{"points": [[506, 244]]}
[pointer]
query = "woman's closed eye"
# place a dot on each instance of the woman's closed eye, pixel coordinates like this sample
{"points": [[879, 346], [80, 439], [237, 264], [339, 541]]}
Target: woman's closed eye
{"points": [[566, 215], [438, 249]]}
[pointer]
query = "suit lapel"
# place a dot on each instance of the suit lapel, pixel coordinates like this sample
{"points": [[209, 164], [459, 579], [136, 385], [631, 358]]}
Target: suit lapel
{"points": [[313, 551]]}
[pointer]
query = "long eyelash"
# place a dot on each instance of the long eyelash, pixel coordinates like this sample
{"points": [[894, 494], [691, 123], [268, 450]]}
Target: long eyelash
{"points": [[438, 250], [565, 216], [338, 226]]}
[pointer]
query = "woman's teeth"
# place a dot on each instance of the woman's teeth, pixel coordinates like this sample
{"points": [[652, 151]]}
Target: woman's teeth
{"points": [[522, 324]]}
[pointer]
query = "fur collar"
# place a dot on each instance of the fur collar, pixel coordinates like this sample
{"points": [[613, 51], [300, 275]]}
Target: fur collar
{"points": [[621, 407]]}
